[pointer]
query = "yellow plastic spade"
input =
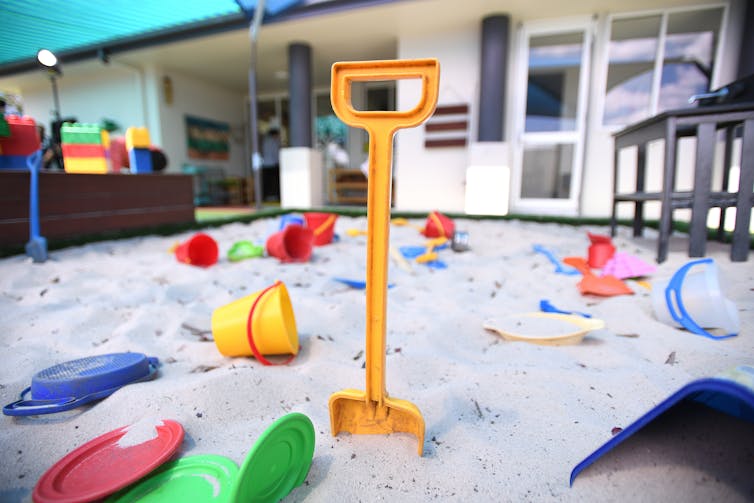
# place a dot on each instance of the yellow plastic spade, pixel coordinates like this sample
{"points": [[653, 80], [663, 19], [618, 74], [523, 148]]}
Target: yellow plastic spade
{"points": [[373, 411]]}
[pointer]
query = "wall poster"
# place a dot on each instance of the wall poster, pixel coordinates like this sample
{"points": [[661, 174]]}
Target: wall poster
{"points": [[207, 139]]}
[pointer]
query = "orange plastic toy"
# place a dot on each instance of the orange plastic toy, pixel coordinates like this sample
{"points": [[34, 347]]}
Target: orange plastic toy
{"points": [[373, 411], [606, 286]]}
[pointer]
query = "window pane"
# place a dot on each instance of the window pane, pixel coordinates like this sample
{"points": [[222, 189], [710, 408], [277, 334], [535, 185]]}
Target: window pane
{"points": [[632, 52], [689, 56], [553, 83], [547, 171]]}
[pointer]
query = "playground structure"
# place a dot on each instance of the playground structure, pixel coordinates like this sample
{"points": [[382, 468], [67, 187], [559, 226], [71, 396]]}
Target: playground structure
{"points": [[87, 199], [84, 148]]}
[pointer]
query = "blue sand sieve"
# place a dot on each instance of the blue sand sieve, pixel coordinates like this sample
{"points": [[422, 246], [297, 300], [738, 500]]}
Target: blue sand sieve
{"points": [[77, 382]]}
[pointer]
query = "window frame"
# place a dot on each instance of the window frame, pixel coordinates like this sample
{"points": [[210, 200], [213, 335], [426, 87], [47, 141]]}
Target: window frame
{"points": [[659, 59]]}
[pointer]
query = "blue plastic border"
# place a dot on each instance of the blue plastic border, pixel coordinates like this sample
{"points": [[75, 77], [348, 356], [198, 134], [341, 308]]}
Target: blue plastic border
{"points": [[713, 387]]}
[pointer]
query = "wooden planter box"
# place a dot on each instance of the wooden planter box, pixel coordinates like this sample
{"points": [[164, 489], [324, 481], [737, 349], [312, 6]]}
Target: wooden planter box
{"points": [[72, 205]]}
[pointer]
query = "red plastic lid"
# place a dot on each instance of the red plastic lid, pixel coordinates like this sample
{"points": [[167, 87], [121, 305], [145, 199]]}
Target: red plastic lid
{"points": [[104, 465]]}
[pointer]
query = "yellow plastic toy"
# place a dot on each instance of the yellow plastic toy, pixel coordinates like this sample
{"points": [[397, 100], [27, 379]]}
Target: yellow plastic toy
{"points": [[373, 411], [273, 324], [429, 256], [553, 329], [137, 137], [355, 232], [402, 222]]}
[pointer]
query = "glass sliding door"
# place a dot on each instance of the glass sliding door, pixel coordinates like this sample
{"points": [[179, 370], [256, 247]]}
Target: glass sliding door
{"points": [[553, 81]]}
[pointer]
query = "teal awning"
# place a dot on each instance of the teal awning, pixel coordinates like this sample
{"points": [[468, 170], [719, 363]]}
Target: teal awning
{"points": [[78, 29]]}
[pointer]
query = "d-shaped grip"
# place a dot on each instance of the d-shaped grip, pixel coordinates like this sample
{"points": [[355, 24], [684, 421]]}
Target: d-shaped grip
{"points": [[344, 73]]}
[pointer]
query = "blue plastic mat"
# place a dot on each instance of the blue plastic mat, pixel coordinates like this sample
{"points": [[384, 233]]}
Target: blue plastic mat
{"points": [[731, 393]]}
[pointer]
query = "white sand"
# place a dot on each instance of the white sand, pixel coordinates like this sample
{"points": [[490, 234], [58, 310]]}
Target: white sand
{"points": [[505, 421]]}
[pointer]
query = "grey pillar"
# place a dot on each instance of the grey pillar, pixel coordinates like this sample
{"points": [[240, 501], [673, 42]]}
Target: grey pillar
{"points": [[300, 92], [746, 55], [492, 95]]}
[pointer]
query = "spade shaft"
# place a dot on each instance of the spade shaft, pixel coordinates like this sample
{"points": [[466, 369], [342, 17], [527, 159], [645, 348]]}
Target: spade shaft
{"points": [[372, 410]]}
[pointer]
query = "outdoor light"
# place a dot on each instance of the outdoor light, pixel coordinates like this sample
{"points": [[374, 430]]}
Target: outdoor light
{"points": [[47, 59]]}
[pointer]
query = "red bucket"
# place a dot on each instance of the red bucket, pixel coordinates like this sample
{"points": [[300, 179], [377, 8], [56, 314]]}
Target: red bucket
{"points": [[323, 226], [438, 225], [600, 251], [292, 244], [201, 250]]}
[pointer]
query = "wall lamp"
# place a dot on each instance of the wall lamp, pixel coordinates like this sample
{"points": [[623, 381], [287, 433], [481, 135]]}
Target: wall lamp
{"points": [[50, 62]]}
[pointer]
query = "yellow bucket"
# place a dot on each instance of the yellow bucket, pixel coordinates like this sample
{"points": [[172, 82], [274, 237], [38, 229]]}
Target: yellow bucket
{"points": [[259, 324]]}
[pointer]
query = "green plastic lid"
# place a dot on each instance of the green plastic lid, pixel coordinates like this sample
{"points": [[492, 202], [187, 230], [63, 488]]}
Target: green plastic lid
{"points": [[278, 461], [207, 478], [244, 249]]}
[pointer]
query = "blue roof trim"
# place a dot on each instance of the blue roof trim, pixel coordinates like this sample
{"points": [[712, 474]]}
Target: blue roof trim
{"points": [[203, 25]]}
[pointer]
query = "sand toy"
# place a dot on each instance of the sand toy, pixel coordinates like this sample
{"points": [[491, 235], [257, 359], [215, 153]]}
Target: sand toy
{"points": [[36, 248], [278, 462], [323, 226], [77, 382], [403, 222], [199, 250], [729, 393], [292, 244], [242, 250], [600, 251], [356, 284], [290, 219], [605, 286], [695, 301], [460, 241], [547, 307], [559, 267], [373, 411], [109, 462], [259, 324], [398, 259], [438, 225], [545, 329], [622, 266], [202, 477]]}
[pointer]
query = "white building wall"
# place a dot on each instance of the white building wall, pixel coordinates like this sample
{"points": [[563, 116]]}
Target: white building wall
{"points": [[113, 93], [133, 96], [203, 100], [427, 179]]}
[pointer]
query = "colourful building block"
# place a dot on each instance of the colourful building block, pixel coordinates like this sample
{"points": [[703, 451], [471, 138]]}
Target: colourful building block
{"points": [[106, 145], [4, 127], [85, 165], [23, 139], [80, 133], [82, 150], [137, 137], [140, 160], [105, 138], [13, 162]]}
